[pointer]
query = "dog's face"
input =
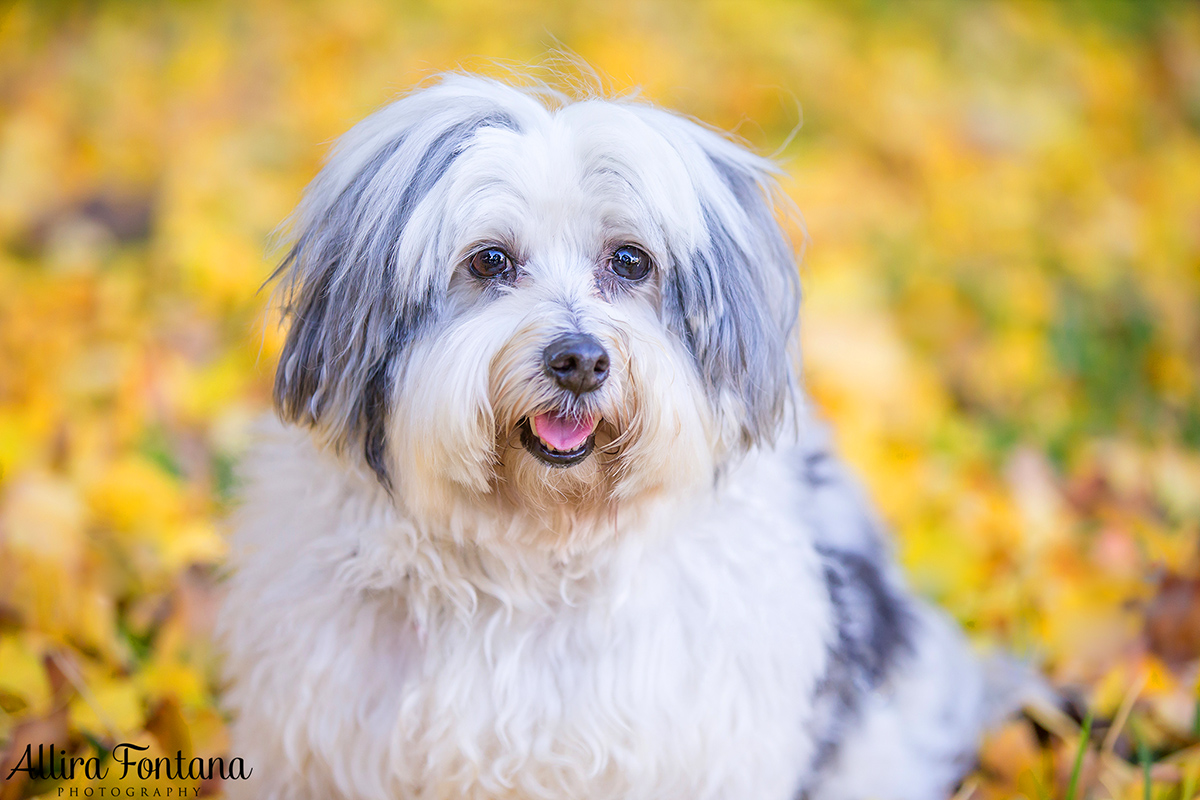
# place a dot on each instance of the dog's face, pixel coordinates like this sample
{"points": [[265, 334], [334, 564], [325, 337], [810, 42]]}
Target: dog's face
{"points": [[550, 311]]}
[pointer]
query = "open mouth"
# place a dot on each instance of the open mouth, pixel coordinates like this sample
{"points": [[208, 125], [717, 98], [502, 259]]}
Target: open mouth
{"points": [[559, 441]]}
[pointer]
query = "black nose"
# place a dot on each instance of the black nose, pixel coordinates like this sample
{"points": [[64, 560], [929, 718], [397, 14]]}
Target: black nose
{"points": [[577, 362]]}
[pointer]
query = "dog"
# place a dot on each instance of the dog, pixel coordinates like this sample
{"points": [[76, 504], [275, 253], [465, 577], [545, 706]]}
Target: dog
{"points": [[543, 512]]}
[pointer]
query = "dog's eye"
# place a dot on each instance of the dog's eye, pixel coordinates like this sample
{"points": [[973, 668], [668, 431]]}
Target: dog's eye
{"points": [[629, 262], [490, 263]]}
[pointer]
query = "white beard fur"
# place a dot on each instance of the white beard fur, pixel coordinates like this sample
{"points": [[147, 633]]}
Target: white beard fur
{"points": [[709, 612]]}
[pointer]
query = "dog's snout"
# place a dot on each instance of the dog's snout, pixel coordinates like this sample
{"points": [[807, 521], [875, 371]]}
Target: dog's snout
{"points": [[577, 362]]}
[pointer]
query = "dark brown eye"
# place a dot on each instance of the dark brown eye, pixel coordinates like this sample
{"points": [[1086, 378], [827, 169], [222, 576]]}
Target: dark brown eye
{"points": [[629, 262], [490, 263]]}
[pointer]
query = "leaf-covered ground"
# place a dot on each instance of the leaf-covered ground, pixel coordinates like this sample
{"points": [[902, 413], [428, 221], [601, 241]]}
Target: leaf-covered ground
{"points": [[1002, 319]]}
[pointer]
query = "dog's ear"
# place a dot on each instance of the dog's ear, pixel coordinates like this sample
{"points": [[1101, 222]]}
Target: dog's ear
{"points": [[734, 297], [354, 283]]}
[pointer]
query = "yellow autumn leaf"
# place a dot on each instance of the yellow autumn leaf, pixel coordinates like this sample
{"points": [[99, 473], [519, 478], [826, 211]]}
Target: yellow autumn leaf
{"points": [[23, 673]]}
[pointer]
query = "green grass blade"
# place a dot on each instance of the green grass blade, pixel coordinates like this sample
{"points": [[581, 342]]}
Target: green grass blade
{"points": [[1085, 736], [1143, 757]]}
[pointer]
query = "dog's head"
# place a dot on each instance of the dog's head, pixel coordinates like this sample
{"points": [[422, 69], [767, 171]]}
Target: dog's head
{"points": [[498, 296]]}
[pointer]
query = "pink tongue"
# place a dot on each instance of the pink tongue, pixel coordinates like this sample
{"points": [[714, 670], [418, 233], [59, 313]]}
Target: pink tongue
{"points": [[563, 433]]}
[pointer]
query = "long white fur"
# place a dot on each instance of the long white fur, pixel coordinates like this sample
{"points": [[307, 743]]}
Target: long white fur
{"points": [[663, 620]]}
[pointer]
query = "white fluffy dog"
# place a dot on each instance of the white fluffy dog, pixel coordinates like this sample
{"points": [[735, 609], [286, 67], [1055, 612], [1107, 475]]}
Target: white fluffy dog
{"points": [[546, 517]]}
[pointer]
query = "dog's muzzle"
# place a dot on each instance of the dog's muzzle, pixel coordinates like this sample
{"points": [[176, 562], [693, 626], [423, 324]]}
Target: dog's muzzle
{"points": [[578, 363]]}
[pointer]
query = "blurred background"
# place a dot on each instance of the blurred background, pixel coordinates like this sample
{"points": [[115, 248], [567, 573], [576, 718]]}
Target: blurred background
{"points": [[1002, 320]]}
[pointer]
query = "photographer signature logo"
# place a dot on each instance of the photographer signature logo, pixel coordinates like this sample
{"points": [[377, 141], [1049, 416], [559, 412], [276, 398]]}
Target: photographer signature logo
{"points": [[126, 763]]}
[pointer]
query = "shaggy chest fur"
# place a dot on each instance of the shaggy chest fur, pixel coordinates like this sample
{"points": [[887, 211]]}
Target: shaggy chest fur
{"points": [[662, 693], [684, 667]]}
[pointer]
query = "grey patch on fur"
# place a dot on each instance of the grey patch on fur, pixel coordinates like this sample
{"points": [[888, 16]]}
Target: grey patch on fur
{"points": [[874, 623], [874, 632], [735, 304], [344, 291], [819, 469]]}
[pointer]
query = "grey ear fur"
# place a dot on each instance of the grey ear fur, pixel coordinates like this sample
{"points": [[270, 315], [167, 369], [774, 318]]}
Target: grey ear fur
{"points": [[352, 306], [735, 298]]}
